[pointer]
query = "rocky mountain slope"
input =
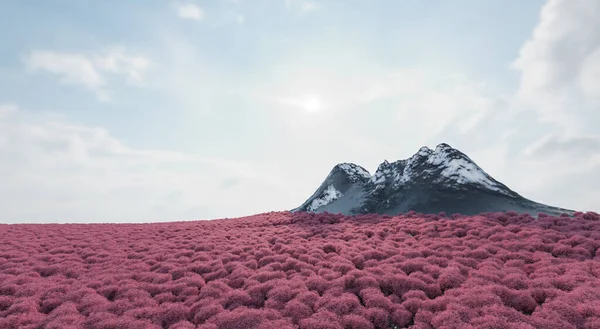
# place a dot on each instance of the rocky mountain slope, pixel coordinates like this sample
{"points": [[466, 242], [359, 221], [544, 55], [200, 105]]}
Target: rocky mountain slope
{"points": [[431, 181]]}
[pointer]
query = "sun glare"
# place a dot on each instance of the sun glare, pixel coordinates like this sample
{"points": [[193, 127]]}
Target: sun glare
{"points": [[312, 104]]}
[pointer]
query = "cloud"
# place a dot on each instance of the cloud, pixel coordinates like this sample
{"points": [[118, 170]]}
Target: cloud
{"points": [[555, 108], [240, 18], [75, 68], [589, 78], [552, 170], [91, 71], [7, 110], [559, 70], [573, 147], [58, 171], [559, 64], [303, 6], [190, 11], [117, 62], [229, 183], [307, 6], [433, 101]]}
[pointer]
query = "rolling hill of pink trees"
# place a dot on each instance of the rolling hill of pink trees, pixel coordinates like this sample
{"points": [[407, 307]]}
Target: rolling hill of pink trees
{"points": [[303, 270]]}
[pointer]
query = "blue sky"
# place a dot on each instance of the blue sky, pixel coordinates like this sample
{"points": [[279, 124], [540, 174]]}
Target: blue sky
{"points": [[123, 111]]}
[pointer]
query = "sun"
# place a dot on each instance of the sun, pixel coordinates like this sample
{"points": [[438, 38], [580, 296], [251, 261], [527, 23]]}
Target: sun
{"points": [[312, 104]]}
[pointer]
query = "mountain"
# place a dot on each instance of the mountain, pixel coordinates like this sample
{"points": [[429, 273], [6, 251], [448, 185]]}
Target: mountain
{"points": [[431, 181]]}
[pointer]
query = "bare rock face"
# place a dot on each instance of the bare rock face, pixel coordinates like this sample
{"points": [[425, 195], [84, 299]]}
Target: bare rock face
{"points": [[431, 181]]}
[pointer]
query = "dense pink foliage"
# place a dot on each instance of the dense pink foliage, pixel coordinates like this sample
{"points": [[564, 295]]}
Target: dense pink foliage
{"points": [[285, 270]]}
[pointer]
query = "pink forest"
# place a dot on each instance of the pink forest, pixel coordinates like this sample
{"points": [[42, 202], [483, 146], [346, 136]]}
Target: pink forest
{"points": [[286, 270]]}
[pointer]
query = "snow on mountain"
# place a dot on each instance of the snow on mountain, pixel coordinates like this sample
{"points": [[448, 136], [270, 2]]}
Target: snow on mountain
{"points": [[383, 172], [451, 167], [343, 182], [442, 179], [329, 195], [462, 169], [354, 172]]}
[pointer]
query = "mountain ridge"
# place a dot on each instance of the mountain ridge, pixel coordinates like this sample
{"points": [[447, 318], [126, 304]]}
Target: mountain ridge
{"points": [[430, 181]]}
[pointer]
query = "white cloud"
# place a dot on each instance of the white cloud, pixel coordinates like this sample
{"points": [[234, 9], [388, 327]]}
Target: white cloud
{"points": [[74, 68], [559, 70], [552, 169], [7, 110], [440, 102], [116, 61], [432, 101], [559, 64], [307, 6], [590, 75], [90, 70], [240, 18], [303, 6], [190, 11], [59, 171], [574, 147]]}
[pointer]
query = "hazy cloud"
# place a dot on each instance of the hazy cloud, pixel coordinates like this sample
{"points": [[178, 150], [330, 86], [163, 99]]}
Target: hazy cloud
{"points": [[559, 70], [61, 171], [430, 100], [560, 63], [240, 18], [190, 11], [90, 70], [229, 183], [590, 75], [302, 5], [74, 68], [7, 109], [576, 146]]}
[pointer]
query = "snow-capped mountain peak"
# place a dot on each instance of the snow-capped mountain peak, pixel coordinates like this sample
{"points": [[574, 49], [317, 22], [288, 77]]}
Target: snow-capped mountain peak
{"points": [[383, 172], [442, 179], [424, 151], [343, 178], [443, 165], [462, 169], [353, 171]]}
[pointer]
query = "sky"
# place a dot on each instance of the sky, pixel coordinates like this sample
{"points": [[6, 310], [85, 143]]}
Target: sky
{"points": [[130, 111]]}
